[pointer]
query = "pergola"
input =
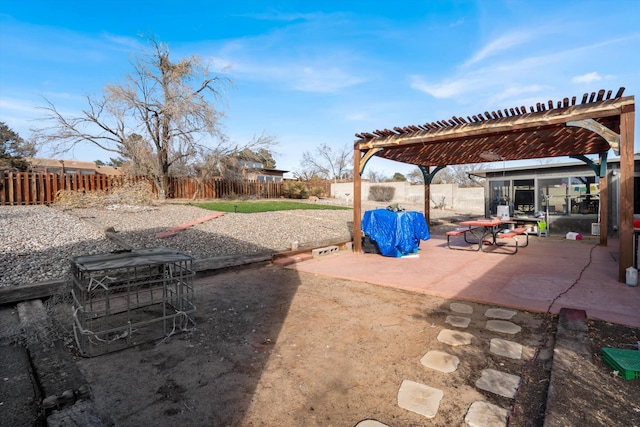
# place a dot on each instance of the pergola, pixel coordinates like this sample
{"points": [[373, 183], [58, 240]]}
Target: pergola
{"points": [[598, 123]]}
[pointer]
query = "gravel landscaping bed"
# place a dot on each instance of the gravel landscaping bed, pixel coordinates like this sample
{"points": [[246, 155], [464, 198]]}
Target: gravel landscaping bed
{"points": [[37, 242]]}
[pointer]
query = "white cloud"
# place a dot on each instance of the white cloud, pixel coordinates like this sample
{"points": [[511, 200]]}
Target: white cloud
{"points": [[357, 117], [498, 45], [516, 92], [446, 89], [587, 78]]}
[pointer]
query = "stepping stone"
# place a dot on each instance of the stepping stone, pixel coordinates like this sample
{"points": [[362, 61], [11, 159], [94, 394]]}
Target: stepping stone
{"points": [[371, 423], [485, 414], [500, 313], [458, 321], [503, 326], [440, 361], [452, 337], [419, 398], [505, 348], [498, 382], [461, 308]]}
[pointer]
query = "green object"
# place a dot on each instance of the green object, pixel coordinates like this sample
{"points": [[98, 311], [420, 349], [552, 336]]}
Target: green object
{"points": [[542, 225], [626, 362]]}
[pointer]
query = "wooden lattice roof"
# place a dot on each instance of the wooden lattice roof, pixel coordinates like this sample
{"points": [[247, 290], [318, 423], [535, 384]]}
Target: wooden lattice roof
{"points": [[509, 134]]}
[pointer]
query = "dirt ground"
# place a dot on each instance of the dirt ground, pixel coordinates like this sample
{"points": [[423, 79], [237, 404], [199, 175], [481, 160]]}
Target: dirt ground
{"points": [[274, 347]]}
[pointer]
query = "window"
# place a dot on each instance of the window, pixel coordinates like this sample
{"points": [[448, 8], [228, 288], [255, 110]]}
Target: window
{"points": [[552, 195], [524, 196], [499, 194], [584, 195]]}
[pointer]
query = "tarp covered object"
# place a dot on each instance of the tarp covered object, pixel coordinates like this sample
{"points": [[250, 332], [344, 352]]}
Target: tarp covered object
{"points": [[396, 233]]}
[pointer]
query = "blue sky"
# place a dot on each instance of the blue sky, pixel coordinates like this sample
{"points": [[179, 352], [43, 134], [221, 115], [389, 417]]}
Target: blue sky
{"points": [[314, 72]]}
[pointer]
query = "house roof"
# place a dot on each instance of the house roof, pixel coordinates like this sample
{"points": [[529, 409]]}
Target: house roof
{"points": [[546, 130], [73, 164], [483, 173]]}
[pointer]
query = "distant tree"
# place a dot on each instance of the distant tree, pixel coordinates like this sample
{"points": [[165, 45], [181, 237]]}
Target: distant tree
{"points": [[113, 162], [415, 176], [455, 174], [375, 176], [13, 149], [398, 177], [117, 162], [262, 156], [329, 163], [158, 117]]}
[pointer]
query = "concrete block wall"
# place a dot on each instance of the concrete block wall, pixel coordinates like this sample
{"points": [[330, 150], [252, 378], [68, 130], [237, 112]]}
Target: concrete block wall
{"points": [[451, 196]]}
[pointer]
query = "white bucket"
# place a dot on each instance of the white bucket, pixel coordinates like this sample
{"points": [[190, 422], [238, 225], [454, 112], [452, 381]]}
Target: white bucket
{"points": [[632, 276], [503, 213]]}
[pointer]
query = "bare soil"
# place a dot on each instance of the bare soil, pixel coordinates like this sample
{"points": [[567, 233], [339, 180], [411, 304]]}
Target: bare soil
{"points": [[274, 347]]}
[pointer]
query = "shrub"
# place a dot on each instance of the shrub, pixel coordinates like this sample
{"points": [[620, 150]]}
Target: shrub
{"points": [[316, 191], [128, 193], [381, 193], [294, 190]]}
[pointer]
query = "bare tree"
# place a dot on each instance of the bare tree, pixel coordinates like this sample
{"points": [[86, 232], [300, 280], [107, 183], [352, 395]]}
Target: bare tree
{"points": [[328, 163], [375, 176], [156, 118], [228, 162], [454, 174]]}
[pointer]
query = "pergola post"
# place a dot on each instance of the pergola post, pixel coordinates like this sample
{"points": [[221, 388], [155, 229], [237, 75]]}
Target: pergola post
{"points": [[627, 120], [604, 209], [427, 207], [357, 202]]}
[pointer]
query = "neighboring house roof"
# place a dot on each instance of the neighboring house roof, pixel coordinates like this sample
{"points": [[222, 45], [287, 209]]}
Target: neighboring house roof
{"points": [[73, 164]]}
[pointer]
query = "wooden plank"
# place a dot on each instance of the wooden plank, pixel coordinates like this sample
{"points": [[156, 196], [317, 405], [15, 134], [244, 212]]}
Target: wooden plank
{"points": [[15, 294], [33, 190], [357, 202], [604, 210], [19, 196], [627, 121]]}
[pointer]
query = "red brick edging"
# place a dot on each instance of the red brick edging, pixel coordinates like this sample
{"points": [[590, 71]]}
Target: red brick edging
{"points": [[172, 231]]}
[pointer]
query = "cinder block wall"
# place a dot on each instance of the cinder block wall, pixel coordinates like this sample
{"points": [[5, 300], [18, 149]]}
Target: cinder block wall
{"points": [[446, 196]]}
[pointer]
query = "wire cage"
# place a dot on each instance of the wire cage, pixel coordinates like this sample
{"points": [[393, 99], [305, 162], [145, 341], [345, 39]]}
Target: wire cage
{"points": [[129, 298]]}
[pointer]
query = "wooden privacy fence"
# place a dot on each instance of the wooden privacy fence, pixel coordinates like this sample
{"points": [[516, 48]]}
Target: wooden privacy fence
{"points": [[25, 188]]}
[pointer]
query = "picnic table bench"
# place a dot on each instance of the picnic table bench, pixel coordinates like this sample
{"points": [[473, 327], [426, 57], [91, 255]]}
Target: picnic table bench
{"points": [[461, 231], [514, 234]]}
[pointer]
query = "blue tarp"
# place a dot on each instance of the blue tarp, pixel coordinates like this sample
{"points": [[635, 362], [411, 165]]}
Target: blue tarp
{"points": [[395, 233]]}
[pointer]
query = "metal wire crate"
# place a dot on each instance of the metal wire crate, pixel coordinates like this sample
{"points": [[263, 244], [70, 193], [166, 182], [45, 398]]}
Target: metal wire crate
{"points": [[125, 299]]}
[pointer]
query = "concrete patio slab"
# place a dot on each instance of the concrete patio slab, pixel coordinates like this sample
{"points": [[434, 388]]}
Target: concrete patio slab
{"points": [[497, 382], [485, 414], [454, 338], [568, 273], [503, 326], [419, 398], [510, 349], [440, 361]]}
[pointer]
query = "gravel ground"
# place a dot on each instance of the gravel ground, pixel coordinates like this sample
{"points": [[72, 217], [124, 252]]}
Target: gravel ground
{"points": [[37, 242]]}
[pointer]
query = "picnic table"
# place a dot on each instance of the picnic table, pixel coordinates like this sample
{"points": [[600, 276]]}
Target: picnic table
{"points": [[488, 232]]}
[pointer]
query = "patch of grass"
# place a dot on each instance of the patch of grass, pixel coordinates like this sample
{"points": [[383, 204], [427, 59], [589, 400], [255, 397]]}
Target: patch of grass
{"points": [[264, 206]]}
